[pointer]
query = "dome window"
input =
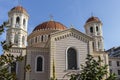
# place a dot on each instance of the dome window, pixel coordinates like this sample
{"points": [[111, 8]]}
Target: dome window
{"points": [[35, 39], [42, 38]]}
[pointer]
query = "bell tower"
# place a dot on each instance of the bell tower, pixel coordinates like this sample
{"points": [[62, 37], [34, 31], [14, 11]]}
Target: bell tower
{"points": [[93, 28], [17, 31]]}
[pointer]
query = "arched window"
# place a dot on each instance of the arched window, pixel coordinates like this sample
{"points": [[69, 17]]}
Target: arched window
{"points": [[48, 36], [97, 28], [23, 40], [91, 29], [72, 59], [24, 22], [16, 39], [98, 45], [39, 65], [17, 20], [35, 39], [93, 45], [42, 38]]}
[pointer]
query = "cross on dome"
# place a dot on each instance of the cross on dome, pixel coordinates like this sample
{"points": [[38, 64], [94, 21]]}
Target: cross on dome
{"points": [[51, 17]]}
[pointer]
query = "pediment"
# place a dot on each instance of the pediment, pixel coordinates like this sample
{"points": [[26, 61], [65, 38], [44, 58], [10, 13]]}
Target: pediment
{"points": [[71, 33]]}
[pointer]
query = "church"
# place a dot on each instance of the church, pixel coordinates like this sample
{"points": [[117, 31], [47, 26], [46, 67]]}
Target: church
{"points": [[52, 49]]}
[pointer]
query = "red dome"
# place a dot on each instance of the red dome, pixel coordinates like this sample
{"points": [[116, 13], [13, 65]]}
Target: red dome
{"points": [[93, 19], [50, 25], [19, 8]]}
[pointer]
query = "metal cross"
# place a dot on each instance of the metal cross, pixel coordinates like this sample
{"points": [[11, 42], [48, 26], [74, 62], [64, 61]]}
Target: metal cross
{"points": [[51, 18]]}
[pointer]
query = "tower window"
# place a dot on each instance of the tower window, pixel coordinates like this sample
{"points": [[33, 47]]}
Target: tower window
{"points": [[91, 29], [24, 22], [18, 20], [93, 45], [23, 40], [97, 28], [72, 59], [11, 20], [16, 39], [39, 66], [98, 45]]}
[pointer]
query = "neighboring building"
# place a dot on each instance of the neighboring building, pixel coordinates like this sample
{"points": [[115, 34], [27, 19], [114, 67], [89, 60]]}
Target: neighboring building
{"points": [[114, 61], [53, 50]]}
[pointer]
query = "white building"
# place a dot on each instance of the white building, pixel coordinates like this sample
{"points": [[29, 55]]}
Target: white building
{"points": [[114, 61], [53, 49]]}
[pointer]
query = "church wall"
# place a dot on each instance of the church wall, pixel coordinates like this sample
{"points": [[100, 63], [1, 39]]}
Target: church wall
{"points": [[58, 52], [32, 54], [20, 71]]}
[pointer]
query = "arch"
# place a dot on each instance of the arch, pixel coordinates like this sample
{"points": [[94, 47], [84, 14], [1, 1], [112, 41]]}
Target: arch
{"points": [[71, 59], [35, 39], [49, 36], [97, 28], [24, 22], [23, 40], [91, 29], [16, 39], [18, 20], [42, 38], [39, 64]]}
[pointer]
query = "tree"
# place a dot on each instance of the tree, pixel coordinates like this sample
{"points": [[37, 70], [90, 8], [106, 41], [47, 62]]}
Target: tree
{"points": [[7, 60], [92, 70]]}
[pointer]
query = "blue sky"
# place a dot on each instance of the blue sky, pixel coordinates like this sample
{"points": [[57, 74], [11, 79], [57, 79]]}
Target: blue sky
{"points": [[70, 12]]}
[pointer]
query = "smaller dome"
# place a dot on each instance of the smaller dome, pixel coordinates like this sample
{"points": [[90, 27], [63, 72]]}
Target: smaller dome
{"points": [[19, 8], [53, 25], [93, 19]]}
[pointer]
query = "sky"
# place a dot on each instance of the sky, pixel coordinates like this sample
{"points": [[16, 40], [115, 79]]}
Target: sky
{"points": [[70, 12]]}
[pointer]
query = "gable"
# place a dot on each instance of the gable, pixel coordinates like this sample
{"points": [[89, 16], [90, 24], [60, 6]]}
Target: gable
{"points": [[59, 35]]}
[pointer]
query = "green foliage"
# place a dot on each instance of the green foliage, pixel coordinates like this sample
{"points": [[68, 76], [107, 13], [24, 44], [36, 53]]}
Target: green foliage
{"points": [[112, 77], [53, 79], [92, 70], [6, 61]]}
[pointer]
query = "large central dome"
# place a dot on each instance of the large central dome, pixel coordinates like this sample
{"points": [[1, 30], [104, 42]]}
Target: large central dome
{"points": [[52, 25]]}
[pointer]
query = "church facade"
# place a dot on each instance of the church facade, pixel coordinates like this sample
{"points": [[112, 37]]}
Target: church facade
{"points": [[52, 49]]}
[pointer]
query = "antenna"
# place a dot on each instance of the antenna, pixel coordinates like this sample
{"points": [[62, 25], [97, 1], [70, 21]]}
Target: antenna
{"points": [[17, 2], [91, 13]]}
